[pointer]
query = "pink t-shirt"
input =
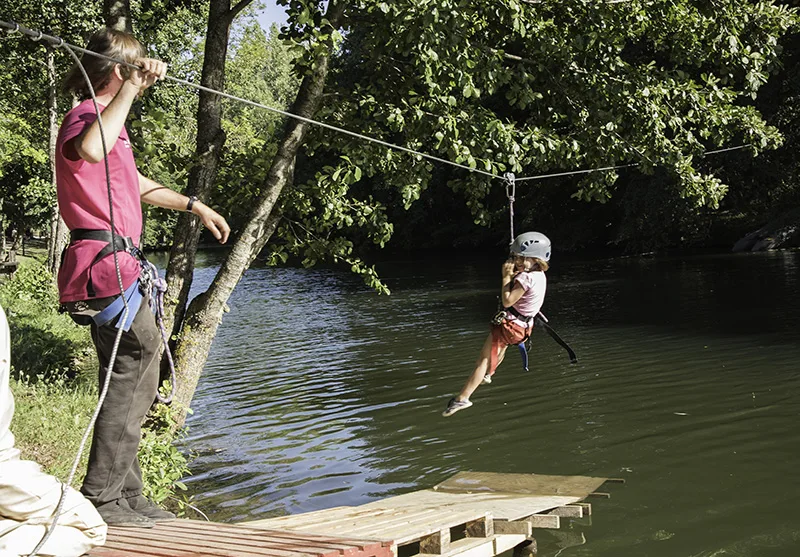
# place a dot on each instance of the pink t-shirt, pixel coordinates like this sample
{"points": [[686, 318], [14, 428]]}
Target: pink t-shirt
{"points": [[535, 285], [83, 202]]}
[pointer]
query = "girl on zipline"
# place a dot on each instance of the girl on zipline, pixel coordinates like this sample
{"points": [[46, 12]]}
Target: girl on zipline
{"points": [[521, 295]]}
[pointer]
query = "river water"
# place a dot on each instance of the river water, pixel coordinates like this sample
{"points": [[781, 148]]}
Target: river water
{"points": [[319, 393]]}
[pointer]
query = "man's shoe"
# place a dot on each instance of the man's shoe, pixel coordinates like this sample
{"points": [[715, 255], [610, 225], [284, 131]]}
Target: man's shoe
{"points": [[119, 513], [455, 405], [143, 506]]}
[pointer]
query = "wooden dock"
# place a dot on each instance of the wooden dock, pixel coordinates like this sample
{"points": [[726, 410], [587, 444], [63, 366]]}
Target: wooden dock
{"points": [[192, 538], [472, 514]]}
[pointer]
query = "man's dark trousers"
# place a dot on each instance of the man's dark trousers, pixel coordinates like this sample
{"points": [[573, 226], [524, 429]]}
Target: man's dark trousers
{"points": [[113, 470]]}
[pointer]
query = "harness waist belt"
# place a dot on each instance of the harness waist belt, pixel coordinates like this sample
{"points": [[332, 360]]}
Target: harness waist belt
{"points": [[114, 242], [526, 318], [121, 243]]}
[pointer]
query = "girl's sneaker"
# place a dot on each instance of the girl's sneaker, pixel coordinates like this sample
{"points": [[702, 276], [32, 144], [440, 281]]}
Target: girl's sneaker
{"points": [[487, 379], [455, 405]]}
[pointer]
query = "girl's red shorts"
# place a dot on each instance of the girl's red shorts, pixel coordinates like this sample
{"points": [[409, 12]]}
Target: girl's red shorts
{"points": [[504, 334]]}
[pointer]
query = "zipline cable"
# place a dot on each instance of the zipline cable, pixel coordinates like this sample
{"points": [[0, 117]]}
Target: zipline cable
{"points": [[573, 172], [38, 35], [13, 27]]}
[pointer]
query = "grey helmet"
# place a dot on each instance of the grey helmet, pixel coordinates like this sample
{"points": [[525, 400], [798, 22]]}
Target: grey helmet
{"points": [[532, 244]]}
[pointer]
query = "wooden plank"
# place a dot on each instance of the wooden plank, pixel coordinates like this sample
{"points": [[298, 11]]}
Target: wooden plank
{"points": [[587, 508], [167, 544], [527, 484], [522, 527], [134, 551], [437, 543], [421, 526], [321, 518], [506, 542], [544, 521], [467, 547], [481, 528], [600, 494], [509, 506], [278, 544], [346, 547], [568, 511], [402, 525], [194, 538]]}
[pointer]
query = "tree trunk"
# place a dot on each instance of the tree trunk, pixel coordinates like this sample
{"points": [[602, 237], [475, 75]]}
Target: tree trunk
{"points": [[205, 312], [58, 230], [210, 140], [117, 14]]}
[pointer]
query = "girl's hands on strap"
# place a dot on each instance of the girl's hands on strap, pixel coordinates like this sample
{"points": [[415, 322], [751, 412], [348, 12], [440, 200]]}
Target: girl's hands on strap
{"points": [[508, 269]]}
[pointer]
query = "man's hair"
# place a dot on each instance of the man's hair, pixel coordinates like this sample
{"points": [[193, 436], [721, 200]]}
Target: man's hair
{"points": [[108, 42]]}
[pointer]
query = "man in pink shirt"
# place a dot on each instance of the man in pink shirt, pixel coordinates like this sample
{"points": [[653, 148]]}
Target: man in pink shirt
{"points": [[88, 281]]}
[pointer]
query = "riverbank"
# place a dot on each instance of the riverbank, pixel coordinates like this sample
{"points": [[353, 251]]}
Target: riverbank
{"points": [[55, 387]]}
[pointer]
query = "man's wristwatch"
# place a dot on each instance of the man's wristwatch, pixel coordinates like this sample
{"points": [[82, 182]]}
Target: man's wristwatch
{"points": [[189, 205]]}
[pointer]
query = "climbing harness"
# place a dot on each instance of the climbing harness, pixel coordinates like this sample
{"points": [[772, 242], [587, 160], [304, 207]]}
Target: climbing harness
{"points": [[113, 243], [149, 285], [540, 245]]}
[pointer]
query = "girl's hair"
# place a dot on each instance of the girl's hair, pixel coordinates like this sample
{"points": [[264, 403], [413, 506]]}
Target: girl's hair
{"points": [[108, 42], [540, 264]]}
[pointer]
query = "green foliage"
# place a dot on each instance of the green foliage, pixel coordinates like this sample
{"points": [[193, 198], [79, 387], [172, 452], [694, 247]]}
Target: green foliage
{"points": [[259, 69], [31, 284], [25, 85], [44, 343], [163, 465], [537, 88]]}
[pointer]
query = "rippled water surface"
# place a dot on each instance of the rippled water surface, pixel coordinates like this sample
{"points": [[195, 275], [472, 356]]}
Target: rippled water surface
{"points": [[319, 393]]}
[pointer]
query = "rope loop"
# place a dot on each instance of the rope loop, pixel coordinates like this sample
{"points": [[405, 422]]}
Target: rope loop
{"points": [[38, 37], [511, 190], [14, 30], [511, 186]]}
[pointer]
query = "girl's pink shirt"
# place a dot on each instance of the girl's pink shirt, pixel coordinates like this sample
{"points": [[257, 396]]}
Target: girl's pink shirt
{"points": [[83, 202], [535, 285]]}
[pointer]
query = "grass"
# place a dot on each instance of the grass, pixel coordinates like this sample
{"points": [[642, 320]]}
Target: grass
{"points": [[54, 382], [49, 421]]}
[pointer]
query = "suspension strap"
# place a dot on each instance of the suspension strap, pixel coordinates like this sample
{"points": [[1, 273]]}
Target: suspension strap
{"points": [[511, 190]]}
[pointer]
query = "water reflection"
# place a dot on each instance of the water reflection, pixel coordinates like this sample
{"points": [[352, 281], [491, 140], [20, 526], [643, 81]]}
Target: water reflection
{"points": [[319, 393]]}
